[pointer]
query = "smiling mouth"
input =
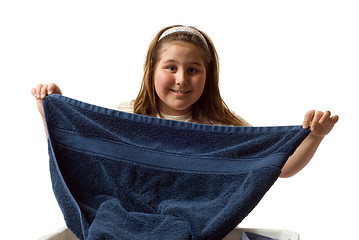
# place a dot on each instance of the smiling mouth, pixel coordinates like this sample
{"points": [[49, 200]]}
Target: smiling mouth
{"points": [[179, 92]]}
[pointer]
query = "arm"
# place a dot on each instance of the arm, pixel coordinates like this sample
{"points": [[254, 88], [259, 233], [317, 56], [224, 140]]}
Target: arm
{"points": [[40, 93], [321, 124]]}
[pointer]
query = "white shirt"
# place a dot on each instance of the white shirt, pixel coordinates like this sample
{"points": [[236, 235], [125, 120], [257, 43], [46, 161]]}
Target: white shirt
{"points": [[128, 107]]}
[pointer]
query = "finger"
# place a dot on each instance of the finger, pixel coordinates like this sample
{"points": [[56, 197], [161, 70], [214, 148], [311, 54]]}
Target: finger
{"points": [[325, 117], [44, 91], [33, 92], [51, 88], [308, 118], [334, 119], [38, 90], [317, 116]]}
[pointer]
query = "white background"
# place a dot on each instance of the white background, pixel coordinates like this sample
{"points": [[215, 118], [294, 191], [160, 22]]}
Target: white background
{"points": [[278, 60]]}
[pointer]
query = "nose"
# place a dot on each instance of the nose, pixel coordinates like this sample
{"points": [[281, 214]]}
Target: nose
{"points": [[181, 77]]}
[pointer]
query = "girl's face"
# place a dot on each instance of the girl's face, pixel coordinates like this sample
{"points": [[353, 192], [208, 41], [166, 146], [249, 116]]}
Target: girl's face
{"points": [[179, 77]]}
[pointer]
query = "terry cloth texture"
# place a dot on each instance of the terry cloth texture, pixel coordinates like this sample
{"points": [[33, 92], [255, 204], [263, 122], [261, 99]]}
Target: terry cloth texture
{"points": [[119, 175]]}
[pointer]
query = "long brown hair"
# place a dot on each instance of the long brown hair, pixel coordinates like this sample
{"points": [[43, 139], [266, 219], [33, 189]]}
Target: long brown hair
{"points": [[210, 107]]}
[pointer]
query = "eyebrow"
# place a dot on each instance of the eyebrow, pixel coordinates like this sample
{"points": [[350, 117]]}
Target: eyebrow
{"points": [[174, 61]]}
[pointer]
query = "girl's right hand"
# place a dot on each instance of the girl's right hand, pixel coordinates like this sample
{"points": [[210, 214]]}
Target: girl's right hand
{"points": [[40, 92]]}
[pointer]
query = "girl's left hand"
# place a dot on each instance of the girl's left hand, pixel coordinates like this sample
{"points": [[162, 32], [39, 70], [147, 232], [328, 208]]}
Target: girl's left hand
{"points": [[321, 123]]}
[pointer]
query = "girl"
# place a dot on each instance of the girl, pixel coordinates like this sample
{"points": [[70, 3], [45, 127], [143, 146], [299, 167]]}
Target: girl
{"points": [[181, 82]]}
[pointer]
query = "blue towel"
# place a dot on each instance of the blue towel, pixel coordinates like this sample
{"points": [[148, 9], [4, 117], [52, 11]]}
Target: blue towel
{"points": [[118, 175]]}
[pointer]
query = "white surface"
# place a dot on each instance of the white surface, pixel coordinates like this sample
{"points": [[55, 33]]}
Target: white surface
{"points": [[66, 234], [61, 234], [278, 60], [272, 233]]}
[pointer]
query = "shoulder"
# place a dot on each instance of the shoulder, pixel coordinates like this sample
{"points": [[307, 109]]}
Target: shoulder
{"points": [[126, 106], [245, 123]]}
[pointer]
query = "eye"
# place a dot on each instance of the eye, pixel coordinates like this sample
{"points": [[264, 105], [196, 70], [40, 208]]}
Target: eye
{"points": [[192, 70], [171, 68]]}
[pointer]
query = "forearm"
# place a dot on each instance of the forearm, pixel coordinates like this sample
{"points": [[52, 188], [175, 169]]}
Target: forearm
{"points": [[301, 156], [44, 122], [40, 92]]}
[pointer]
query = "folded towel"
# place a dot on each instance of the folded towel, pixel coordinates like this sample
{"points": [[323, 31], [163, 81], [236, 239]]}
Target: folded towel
{"points": [[118, 175]]}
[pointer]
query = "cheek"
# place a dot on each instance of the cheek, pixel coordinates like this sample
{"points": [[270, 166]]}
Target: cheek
{"points": [[199, 83], [162, 81]]}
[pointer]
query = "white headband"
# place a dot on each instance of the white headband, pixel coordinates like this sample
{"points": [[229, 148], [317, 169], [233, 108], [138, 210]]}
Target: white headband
{"points": [[183, 29]]}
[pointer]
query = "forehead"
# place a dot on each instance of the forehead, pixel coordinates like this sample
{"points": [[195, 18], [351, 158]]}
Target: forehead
{"points": [[181, 50]]}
